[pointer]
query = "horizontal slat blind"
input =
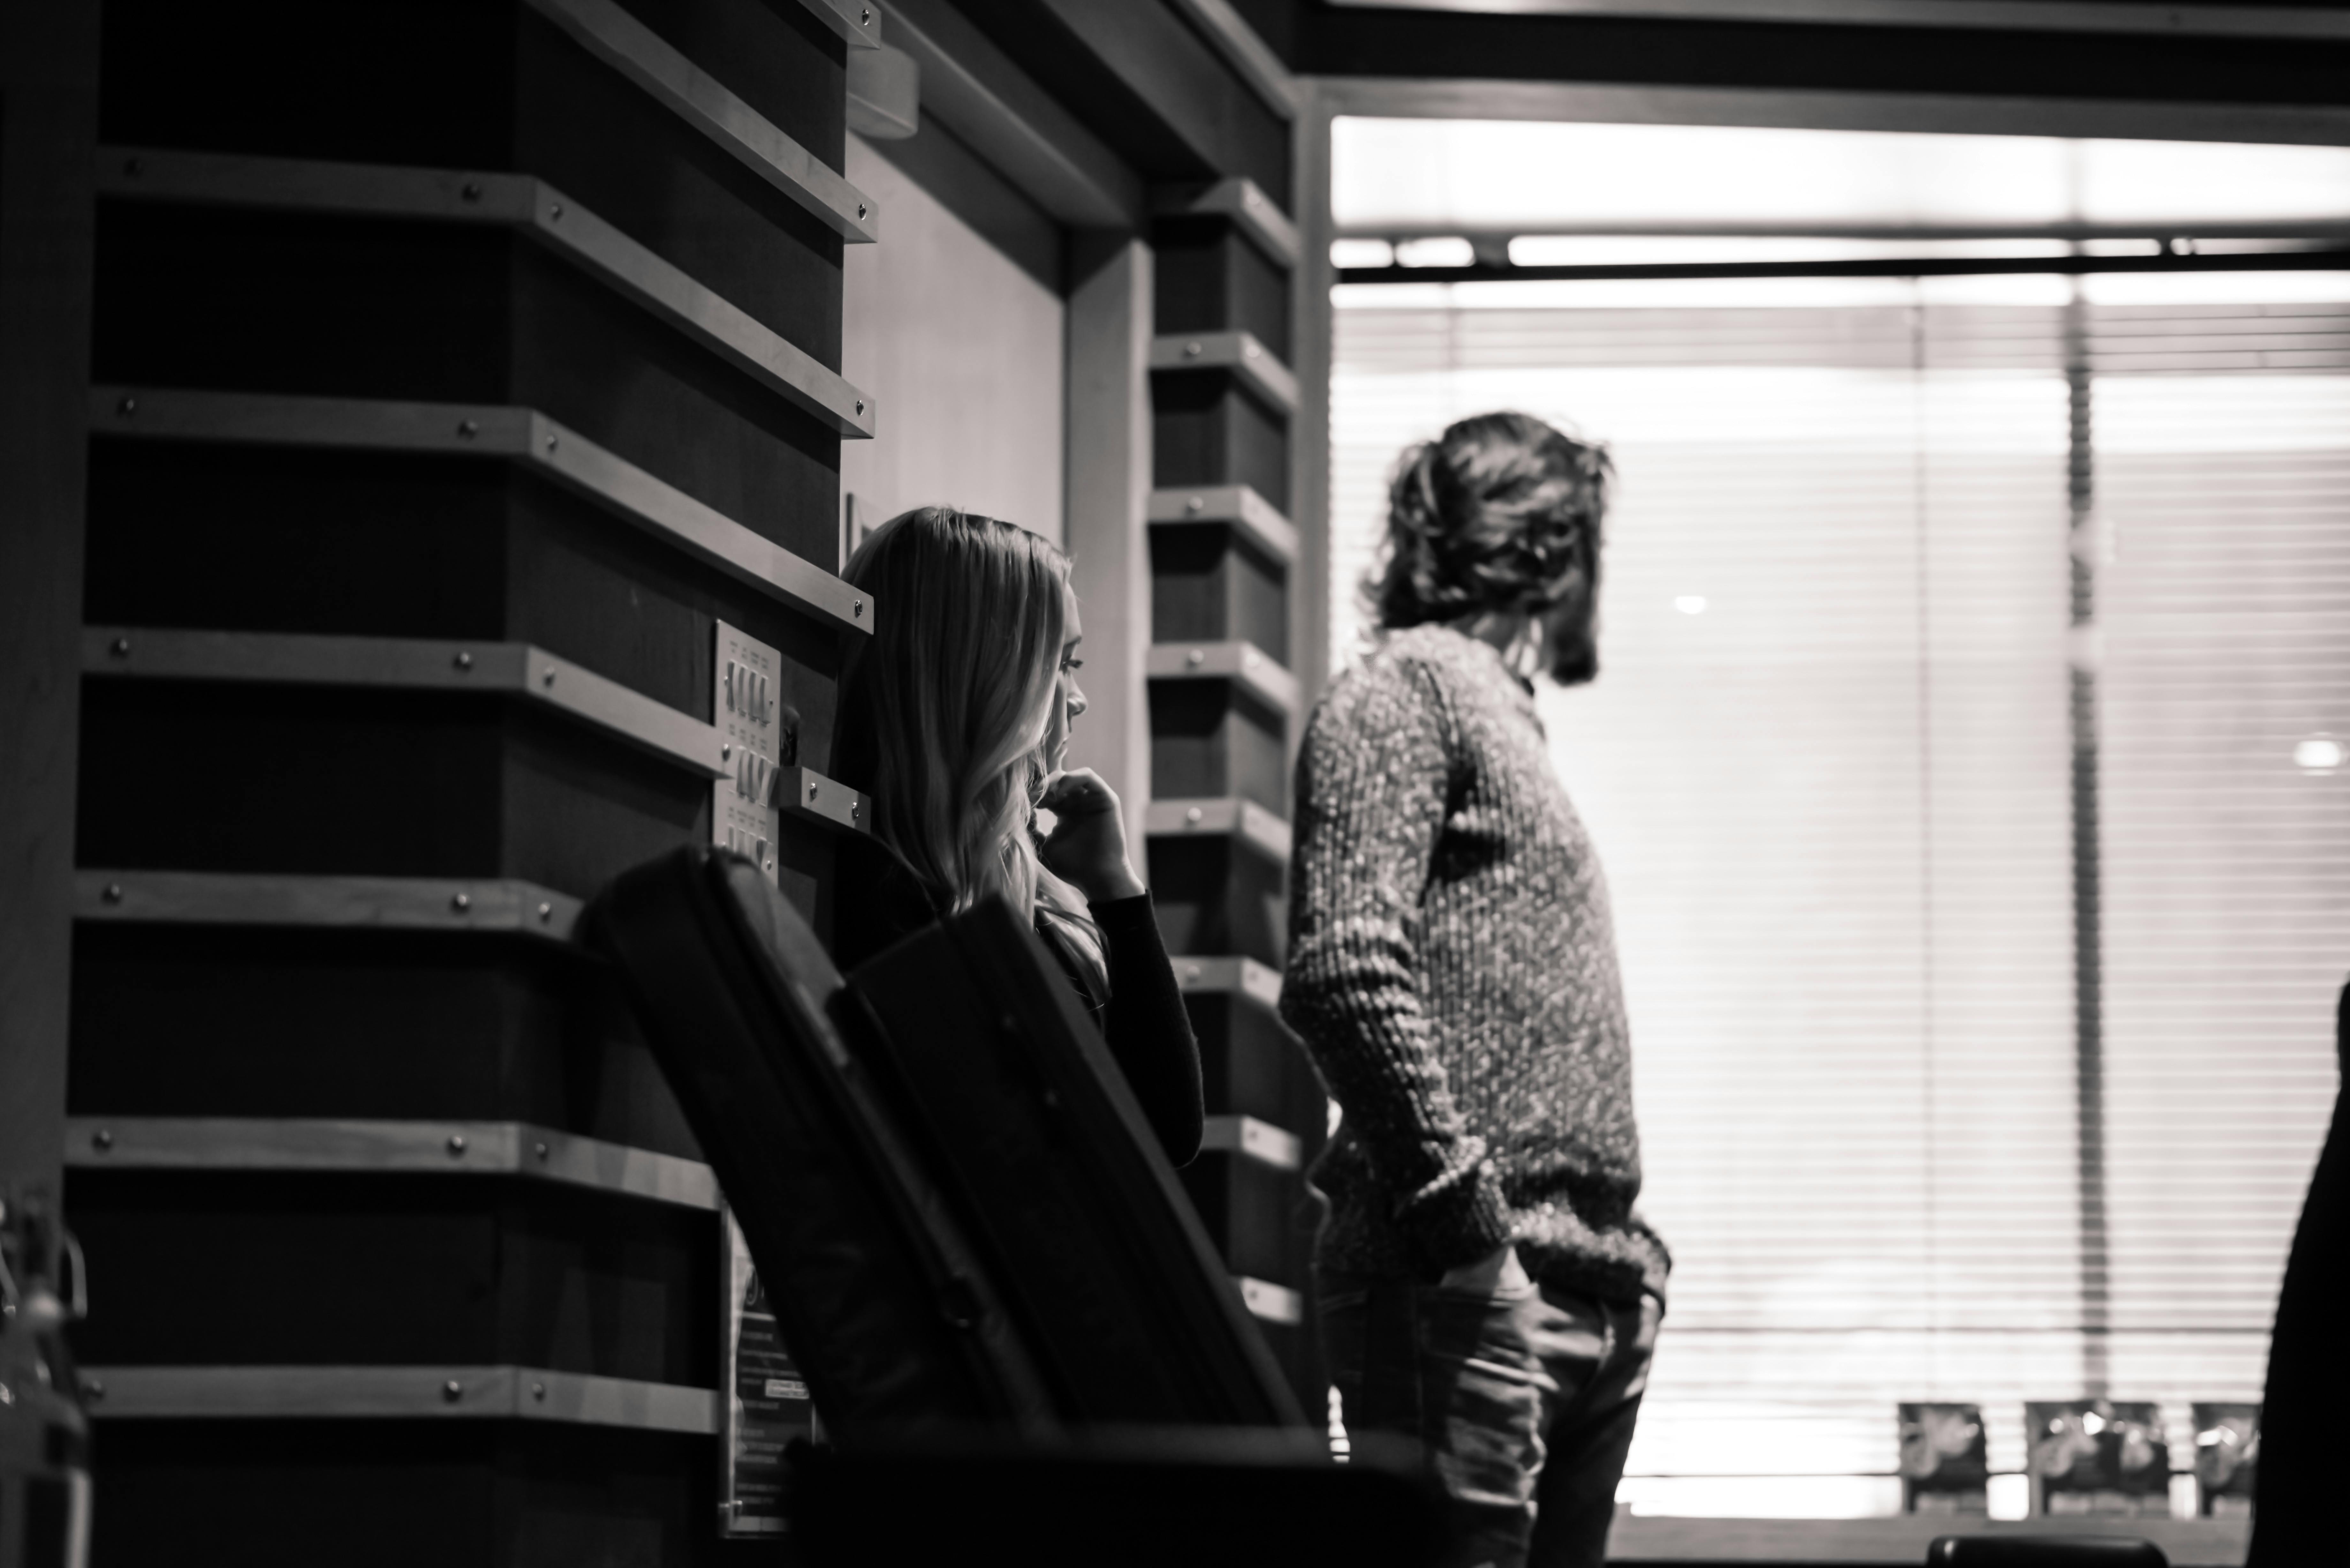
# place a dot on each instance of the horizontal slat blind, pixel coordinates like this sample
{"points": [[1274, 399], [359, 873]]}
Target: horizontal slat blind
{"points": [[1835, 810], [2223, 441]]}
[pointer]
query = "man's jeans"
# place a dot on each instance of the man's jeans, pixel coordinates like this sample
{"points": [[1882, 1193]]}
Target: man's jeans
{"points": [[1522, 1402]]}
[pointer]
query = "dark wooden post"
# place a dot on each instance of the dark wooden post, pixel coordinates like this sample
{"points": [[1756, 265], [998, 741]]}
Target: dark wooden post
{"points": [[465, 395], [1224, 706]]}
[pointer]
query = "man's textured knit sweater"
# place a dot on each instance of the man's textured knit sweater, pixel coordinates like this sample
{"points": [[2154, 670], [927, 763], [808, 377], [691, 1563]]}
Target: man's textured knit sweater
{"points": [[1452, 970]]}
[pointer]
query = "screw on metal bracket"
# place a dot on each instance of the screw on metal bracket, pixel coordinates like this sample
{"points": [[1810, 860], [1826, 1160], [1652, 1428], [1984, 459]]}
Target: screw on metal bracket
{"points": [[102, 1140], [556, 211], [1192, 814], [545, 913], [113, 892], [456, 1145], [461, 901], [1197, 503], [550, 443], [548, 678], [127, 407], [1196, 658], [468, 429], [540, 1149], [464, 661], [856, 607], [538, 1391], [860, 405], [811, 789], [119, 647], [452, 1391], [1194, 349], [473, 190], [860, 209]]}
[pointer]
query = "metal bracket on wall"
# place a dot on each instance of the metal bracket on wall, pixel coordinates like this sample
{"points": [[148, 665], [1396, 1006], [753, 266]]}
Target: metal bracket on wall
{"points": [[520, 202], [508, 668], [1239, 353], [385, 903], [522, 435], [1226, 975], [390, 1148], [1253, 1139], [442, 1392], [1238, 505], [644, 58], [1250, 209], [1272, 1302], [1242, 820], [1243, 664]]}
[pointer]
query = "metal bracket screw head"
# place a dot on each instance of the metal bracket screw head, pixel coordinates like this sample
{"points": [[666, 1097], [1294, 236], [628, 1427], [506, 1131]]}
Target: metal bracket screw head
{"points": [[468, 429], [860, 405], [856, 607], [1194, 349], [452, 1391], [556, 211], [464, 661], [547, 678], [113, 893], [1196, 504], [456, 1144], [461, 903], [119, 647], [102, 1140], [545, 913], [1196, 658], [473, 190], [860, 209], [127, 407]]}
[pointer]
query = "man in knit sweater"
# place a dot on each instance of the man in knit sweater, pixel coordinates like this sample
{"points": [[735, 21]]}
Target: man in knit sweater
{"points": [[1487, 1290]]}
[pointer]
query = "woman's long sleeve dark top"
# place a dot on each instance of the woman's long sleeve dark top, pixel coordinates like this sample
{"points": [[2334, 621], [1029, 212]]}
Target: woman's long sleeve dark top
{"points": [[878, 899]]}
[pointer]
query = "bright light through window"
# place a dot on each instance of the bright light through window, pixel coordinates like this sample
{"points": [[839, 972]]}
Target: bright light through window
{"points": [[1514, 176]]}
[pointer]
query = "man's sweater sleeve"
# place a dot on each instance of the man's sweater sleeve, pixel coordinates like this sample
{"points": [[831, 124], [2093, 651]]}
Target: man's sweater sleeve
{"points": [[1373, 781]]}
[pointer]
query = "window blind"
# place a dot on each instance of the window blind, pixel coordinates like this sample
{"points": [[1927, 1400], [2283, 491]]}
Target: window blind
{"points": [[1828, 767]]}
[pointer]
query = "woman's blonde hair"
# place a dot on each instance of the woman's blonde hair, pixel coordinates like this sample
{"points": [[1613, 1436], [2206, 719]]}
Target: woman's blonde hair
{"points": [[944, 708]]}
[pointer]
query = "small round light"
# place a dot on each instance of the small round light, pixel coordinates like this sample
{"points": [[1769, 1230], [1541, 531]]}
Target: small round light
{"points": [[2318, 755], [1690, 604]]}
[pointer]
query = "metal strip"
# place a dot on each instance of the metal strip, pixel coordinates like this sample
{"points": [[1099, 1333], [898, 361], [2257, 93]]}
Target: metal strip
{"points": [[2012, 15], [385, 903], [638, 52], [1242, 663], [520, 434], [972, 87], [855, 21], [1274, 1304], [343, 1393], [1236, 504], [1225, 975], [515, 669], [1243, 819], [1238, 352], [1251, 58], [1251, 212], [1253, 1139], [408, 1148], [517, 202], [809, 795]]}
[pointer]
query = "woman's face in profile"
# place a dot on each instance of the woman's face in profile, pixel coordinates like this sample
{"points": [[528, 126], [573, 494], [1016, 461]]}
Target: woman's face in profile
{"points": [[1068, 701]]}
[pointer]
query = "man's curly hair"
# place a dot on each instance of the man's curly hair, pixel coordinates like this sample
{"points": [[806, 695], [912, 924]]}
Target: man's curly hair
{"points": [[1501, 512]]}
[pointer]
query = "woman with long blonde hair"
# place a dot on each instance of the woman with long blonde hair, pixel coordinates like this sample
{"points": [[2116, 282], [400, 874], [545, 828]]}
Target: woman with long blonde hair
{"points": [[954, 721]]}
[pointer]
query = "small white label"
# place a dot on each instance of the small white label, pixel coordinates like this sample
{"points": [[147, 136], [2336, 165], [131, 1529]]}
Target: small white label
{"points": [[786, 1388]]}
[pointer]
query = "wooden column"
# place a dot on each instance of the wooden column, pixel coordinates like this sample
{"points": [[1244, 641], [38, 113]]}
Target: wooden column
{"points": [[1224, 705], [465, 394]]}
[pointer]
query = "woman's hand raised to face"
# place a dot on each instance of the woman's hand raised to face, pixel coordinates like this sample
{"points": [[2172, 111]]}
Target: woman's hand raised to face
{"points": [[1087, 847]]}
